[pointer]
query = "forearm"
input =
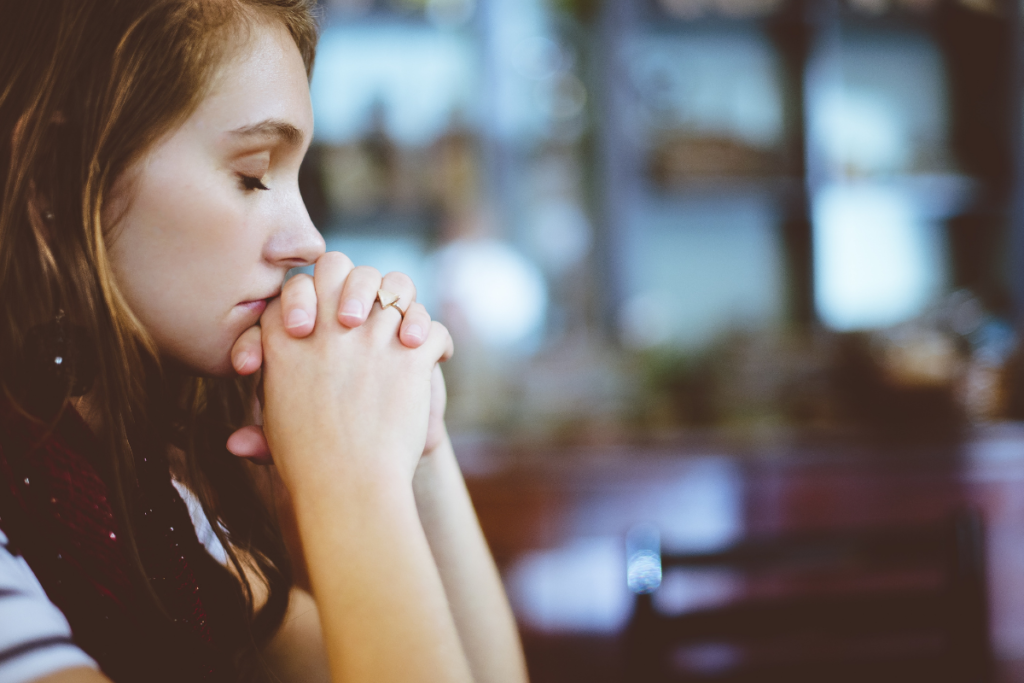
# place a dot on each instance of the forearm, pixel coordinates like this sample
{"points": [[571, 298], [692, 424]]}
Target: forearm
{"points": [[477, 598], [381, 601]]}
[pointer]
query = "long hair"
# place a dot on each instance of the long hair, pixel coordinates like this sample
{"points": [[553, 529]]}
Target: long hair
{"points": [[86, 88]]}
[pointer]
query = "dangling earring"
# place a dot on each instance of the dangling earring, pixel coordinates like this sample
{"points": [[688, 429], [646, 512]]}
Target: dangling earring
{"points": [[60, 359]]}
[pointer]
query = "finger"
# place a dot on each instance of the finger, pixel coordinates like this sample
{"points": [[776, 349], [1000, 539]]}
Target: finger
{"points": [[270, 321], [298, 305], [438, 401], [271, 328], [358, 296], [330, 274], [439, 342], [449, 348], [400, 285], [438, 394], [415, 326], [247, 352], [250, 442]]}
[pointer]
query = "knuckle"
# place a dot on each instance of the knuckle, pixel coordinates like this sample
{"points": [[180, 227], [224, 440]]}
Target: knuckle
{"points": [[439, 330], [332, 265], [400, 280], [334, 259], [307, 295], [365, 275], [299, 285]]}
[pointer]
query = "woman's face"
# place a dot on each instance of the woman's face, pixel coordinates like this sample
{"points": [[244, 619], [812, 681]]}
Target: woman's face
{"points": [[211, 218]]}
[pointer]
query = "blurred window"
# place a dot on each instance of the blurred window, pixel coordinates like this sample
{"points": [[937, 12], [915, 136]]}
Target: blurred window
{"points": [[885, 181], [703, 255], [420, 77]]}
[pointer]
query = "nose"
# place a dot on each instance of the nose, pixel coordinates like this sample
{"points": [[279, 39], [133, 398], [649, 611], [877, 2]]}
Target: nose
{"points": [[295, 241]]}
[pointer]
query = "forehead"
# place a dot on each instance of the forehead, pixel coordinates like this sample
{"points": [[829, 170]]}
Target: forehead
{"points": [[263, 79]]}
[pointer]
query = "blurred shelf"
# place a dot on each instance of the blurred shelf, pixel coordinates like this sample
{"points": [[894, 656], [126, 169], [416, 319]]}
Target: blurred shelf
{"points": [[725, 186], [938, 196], [691, 15]]}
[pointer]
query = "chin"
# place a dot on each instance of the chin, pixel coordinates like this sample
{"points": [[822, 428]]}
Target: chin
{"points": [[205, 363], [206, 351], [217, 363], [223, 371]]}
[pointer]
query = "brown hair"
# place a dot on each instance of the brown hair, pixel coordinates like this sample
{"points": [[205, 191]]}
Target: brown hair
{"points": [[86, 88]]}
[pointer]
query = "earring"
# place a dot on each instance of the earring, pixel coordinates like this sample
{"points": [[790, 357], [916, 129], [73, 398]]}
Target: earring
{"points": [[48, 216], [60, 359]]}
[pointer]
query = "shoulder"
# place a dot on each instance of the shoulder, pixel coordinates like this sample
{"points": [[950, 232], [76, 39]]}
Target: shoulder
{"points": [[35, 639]]}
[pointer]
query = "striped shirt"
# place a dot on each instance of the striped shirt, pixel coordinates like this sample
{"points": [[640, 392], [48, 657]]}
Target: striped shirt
{"points": [[35, 639]]}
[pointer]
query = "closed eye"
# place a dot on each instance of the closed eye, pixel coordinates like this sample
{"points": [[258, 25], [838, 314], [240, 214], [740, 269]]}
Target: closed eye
{"points": [[252, 182]]}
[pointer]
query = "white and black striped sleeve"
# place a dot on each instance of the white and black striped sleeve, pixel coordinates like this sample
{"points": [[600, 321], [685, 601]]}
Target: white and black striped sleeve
{"points": [[35, 639]]}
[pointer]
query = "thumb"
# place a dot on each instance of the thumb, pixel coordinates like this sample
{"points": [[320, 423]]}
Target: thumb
{"points": [[250, 442]]}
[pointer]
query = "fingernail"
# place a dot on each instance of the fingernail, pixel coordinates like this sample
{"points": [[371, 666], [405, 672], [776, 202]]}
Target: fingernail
{"points": [[415, 332], [297, 318], [240, 361], [353, 309]]}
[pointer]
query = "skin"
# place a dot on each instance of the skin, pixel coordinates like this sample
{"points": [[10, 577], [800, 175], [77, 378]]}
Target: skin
{"points": [[403, 586], [198, 196], [195, 241]]}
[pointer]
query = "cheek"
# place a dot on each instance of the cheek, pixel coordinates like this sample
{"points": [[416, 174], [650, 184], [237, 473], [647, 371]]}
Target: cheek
{"points": [[181, 255], [182, 233]]}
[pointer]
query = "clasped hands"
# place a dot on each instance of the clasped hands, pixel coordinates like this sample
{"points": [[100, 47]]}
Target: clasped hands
{"points": [[353, 358]]}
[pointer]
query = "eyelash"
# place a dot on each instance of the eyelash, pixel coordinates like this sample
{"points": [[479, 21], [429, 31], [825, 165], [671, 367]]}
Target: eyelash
{"points": [[252, 183]]}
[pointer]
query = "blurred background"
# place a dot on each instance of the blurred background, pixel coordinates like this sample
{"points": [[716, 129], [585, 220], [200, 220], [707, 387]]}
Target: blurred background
{"points": [[726, 277]]}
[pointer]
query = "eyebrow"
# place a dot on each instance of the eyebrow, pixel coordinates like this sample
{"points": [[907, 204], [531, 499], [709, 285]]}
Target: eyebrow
{"points": [[271, 128]]}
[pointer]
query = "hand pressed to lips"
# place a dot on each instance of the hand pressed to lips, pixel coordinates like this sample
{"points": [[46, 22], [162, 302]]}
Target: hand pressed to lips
{"points": [[347, 399], [298, 304]]}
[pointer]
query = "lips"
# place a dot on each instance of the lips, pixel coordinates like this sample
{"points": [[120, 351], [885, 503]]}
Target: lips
{"points": [[262, 299], [256, 307]]}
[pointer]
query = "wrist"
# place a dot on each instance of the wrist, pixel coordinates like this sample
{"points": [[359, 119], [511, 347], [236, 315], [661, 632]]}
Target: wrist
{"points": [[344, 475], [350, 504]]}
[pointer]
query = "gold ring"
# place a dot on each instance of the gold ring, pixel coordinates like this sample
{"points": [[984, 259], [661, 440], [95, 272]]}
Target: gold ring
{"points": [[388, 299]]}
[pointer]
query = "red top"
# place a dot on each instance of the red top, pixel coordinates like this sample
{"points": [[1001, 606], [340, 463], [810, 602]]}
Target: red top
{"points": [[56, 510]]}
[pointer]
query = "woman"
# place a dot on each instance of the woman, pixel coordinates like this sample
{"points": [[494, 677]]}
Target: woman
{"points": [[149, 154]]}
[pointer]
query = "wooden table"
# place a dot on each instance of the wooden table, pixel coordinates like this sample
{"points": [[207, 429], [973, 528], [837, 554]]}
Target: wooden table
{"points": [[556, 519]]}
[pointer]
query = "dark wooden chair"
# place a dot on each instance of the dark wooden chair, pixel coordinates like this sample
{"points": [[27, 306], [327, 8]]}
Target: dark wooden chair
{"points": [[901, 605]]}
